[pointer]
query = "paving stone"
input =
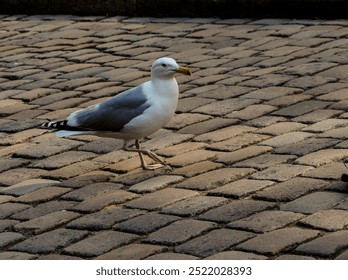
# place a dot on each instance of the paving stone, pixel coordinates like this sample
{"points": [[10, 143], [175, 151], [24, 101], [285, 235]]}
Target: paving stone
{"points": [[9, 163], [294, 257], [179, 232], [213, 242], [50, 241], [286, 139], [240, 188], [238, 142], [235, 255], [197, 168], [7, 238], [9, 208], [46, 222], [100, 243], [327, 124], [16, 256], [181, 148], [241, 154], [63, 159], [265, 161], [43, 209], [278, 241], [208, 126], [104, 199], [326, 245], [291, 189], [281, 128], [266, 221], [103, 219], [155, 183], [343, 256], [161, 198], [193, 206], [41, 195], [281, 172], [331, 220], [215, 178], [75, 169], [191, 157], [235, 210], [132, 252], [172, 256], [224, 133], [307, 146], [28, 186], [331, 171], [314, 202], [146, 223], [323, 157]]}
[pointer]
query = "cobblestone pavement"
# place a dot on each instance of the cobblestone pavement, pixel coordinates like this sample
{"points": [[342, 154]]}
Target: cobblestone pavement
{"points": [[257, 143]]}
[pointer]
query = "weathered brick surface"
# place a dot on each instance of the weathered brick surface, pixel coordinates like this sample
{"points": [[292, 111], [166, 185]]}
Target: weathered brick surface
{"points": [[256, 146]]}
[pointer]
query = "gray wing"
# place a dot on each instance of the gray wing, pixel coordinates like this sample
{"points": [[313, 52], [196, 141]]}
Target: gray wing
{"points": [[112, 114]]}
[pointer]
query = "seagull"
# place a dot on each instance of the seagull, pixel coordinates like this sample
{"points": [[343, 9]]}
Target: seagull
{"points": [[132, 114]]}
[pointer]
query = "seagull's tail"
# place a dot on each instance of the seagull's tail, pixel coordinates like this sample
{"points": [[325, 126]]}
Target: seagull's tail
{"points": [[64, 129]]}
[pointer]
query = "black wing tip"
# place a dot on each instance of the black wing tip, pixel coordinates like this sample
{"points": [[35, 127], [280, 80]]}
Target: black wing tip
{"points": [[56, 125]]}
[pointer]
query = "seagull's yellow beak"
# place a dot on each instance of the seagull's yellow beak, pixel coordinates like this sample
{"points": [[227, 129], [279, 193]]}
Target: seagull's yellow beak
{"points": [[184, 70]]}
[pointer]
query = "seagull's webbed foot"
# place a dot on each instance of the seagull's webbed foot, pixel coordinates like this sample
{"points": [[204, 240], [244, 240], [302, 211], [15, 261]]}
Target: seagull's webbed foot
{"points": [[152, 155]]}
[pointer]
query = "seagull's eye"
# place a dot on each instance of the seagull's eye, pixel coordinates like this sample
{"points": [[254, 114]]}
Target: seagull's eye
{"points": [[164, 65]]}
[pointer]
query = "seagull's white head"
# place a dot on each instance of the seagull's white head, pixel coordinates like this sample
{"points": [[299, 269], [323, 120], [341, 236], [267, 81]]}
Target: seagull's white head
{"points": [[166, 68]]}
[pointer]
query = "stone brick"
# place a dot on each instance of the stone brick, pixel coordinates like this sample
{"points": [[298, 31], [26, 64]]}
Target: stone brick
{"points": [[236, 255], [46, 222], [265, 161], [63, 159], [191, 157], [171, 256], [213, 242], [103, 219], [9, 163], [330, 220], [291, 189], [238, 142], [343, 256], [197, 168], [50, 241], [252, 112], [155, 183], [43, 209], [41, 195], [146, 223], [179, 232], [208, 126], [281, 128], [314, 202], [193, 206], [241, 154], [28, 186], [325, 246], [76, 169], [161, 198], [132, 252], [182, 120], [225, 107], [16, 256], [281, 172], [323, 157], [224, 133], [104, 199], [327, 124], [215, 178], [266, 221], [302, 108], [307, 146], [331, 171], [286, 139], [235, 210], [100, 243], [8, 238], [181, 148], [278, 241], [9, 208], [241, 188]]}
